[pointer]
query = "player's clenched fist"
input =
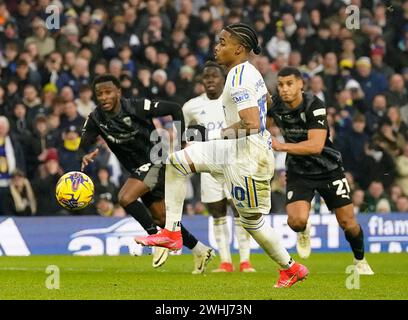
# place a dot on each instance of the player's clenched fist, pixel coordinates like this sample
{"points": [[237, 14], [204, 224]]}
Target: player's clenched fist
{"points": [[86, 159], [276, 145]]}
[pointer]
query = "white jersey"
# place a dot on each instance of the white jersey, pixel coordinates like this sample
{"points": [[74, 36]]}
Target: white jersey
{"points": [[244, 88], [204, 111]]}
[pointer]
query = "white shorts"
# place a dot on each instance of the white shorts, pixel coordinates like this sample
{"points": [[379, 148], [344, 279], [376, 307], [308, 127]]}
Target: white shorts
{"points": [[246, 165], [213, 190]]}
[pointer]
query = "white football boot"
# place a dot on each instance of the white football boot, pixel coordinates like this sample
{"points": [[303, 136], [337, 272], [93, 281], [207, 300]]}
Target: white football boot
{"points": [[363, 268], [303, 246], [202, 260], [160, 256]]}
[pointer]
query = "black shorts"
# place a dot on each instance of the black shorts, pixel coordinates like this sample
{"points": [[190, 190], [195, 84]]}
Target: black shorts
{"points": [[333, 188], [153, 176]]}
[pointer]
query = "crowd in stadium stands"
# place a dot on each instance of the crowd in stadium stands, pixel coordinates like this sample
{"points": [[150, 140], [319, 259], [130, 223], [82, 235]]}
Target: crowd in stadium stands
{"points": [[156, 49]]}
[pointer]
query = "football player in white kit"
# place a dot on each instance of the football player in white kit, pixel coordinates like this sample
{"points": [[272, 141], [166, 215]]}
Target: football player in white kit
{"points": [[207, 110], [241, 154]]}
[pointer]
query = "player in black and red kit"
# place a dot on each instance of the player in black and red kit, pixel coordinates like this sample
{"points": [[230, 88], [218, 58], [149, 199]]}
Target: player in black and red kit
{"points": [[126, 126], [312, 164]]}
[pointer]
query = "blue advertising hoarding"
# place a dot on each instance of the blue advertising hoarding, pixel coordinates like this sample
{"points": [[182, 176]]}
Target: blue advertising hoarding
{"points": [[94, 235]]}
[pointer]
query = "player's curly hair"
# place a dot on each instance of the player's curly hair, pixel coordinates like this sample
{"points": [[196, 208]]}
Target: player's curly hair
{"points": [[106, 78], [246, 35]]}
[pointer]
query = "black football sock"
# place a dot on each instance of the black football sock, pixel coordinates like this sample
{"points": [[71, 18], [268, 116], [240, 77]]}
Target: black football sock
{"points": [[141, 215], [356, 244], [188, 239]]}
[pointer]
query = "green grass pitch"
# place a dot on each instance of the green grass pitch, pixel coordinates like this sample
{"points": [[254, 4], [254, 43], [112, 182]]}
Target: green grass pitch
{"points": [[126, 277]]}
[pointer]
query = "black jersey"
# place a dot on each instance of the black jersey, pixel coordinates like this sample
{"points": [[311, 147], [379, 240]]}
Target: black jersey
{"points": [[128, 133], [294, 125]]}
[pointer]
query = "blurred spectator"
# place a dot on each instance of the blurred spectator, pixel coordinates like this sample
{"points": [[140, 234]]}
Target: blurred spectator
{"points": [[278, 44], [397, 94], [375, 114], [19, 123], [398, 126], [76, 77], [10, 150], [103, 185], [44, 43], [372, 83], [358, 200], [68, 40], [24, 76], [378, 165], [84, 103], [41, 140], [71, 116], [374, 194], [21, 200], [104, 204], [50, 91], [68, 157], [379, 66], [44, 184], [263, 64], [353, 147], [383, 206], [395, 192], [402, 170], [390, 141], [118, 37], [402, 204], [33, 103], [24, 16]]}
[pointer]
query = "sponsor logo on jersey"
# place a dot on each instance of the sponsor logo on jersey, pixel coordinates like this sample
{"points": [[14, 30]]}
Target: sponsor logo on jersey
{"points": [[290, 195], [240, 96], [127, 121]]}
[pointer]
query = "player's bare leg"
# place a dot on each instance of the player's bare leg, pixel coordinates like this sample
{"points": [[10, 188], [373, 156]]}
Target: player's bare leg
{"points": [[298, 215], [221, 233], [269, 240], [243, 238], [354, 235]]}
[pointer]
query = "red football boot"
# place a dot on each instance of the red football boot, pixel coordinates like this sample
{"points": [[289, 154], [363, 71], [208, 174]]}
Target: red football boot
{"points": [[289, 277], [171, 240]]}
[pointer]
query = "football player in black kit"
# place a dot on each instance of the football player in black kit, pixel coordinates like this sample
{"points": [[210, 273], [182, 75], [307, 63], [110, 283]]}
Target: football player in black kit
{"points": [[312, 164], [126, 126]]}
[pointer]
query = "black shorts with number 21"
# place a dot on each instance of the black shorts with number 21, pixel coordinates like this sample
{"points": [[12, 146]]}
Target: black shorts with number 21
{"points": [[333, 188]]}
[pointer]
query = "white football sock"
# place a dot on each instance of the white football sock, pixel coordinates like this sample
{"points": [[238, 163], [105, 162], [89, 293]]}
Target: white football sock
{"points": [[199, 249], [269, 240], [175, 189], [243, 238], [221, 235]]}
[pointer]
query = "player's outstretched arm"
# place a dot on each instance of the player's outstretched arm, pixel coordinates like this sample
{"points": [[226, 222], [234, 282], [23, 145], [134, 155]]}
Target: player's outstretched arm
{"points": [[249, 124], [162, 108], [313, 145]]}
